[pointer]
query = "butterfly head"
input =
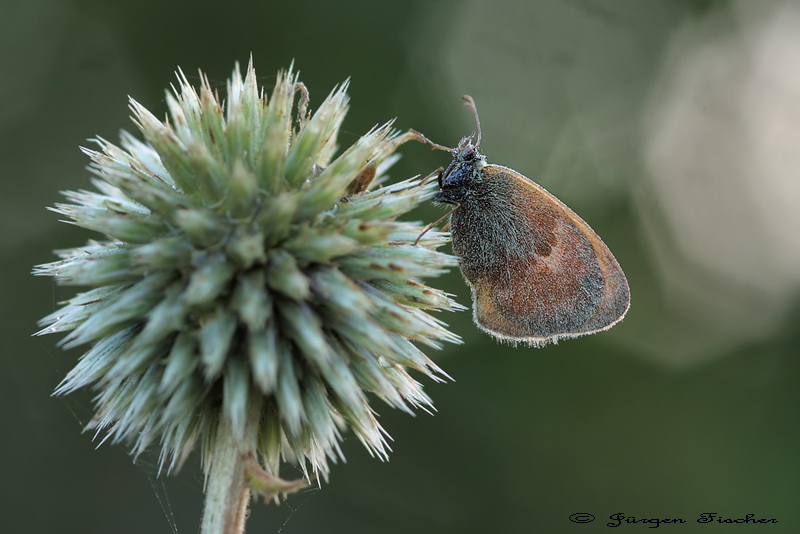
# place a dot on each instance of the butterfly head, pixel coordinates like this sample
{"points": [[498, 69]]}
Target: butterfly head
{"points": [[455, 183]]}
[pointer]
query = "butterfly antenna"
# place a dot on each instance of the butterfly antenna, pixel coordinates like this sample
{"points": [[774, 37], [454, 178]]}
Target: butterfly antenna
{"points": [[470, 103]]}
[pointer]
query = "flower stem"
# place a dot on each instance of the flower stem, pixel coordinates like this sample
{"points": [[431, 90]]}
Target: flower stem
{"points": [[227, 488]]}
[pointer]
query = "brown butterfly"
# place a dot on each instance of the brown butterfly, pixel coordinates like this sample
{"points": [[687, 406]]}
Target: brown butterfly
{"points": [[538, 273]]}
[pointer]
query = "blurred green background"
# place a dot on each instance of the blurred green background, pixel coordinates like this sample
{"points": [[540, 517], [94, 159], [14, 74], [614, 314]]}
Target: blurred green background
{"points": [[672, 127]]}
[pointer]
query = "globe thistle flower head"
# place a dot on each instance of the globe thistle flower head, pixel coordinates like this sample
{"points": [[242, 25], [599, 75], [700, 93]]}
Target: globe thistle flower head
{"points": [[250, 275]]}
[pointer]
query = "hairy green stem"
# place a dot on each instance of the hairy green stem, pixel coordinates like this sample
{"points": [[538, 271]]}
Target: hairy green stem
{"points": [[227, 488]]}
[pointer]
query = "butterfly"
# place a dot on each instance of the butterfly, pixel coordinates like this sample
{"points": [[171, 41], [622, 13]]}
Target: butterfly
{"points": [[538, 273]]}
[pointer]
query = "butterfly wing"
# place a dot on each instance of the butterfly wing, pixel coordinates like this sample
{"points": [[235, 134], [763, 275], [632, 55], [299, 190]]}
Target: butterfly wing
{"points": [[537, 271]]}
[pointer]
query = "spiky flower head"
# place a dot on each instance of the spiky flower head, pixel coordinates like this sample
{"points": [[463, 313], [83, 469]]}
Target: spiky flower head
{"points": [[249, 274]]}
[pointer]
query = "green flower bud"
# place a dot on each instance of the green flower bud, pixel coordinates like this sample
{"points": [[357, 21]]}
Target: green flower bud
{"points": [[249, 275]]}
